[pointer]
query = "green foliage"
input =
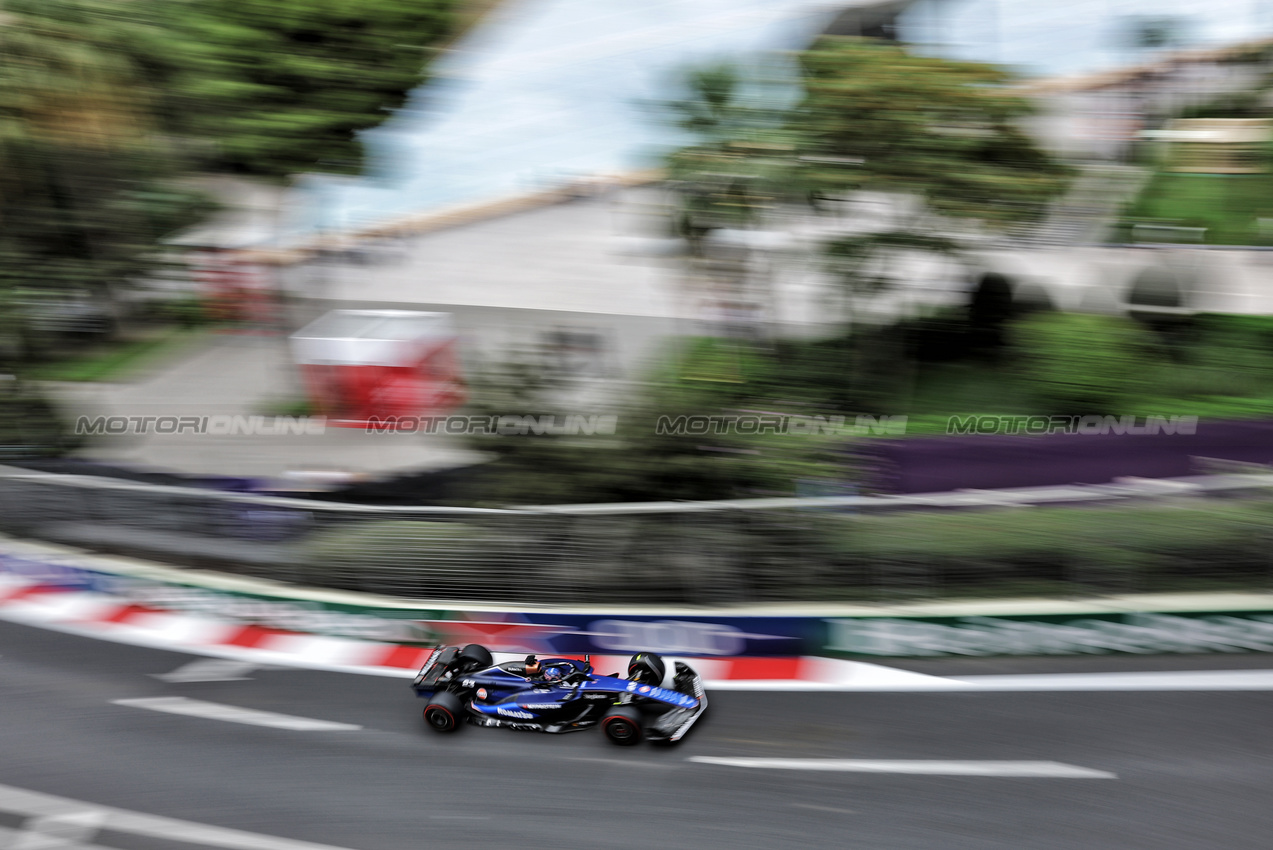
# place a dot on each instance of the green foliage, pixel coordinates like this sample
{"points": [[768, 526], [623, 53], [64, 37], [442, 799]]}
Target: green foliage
{"points": [[1212, 366], [1240, 104], [287, 406], [422, 543], [1078, 364], [29, 425], [872, 117], [719, 556], [113, 361], [186, 312], [400, 556], [69, 77], [1229, 206], [710, 108], [878, 117], [638, 463], [82, 197], [742, 162], [281, 86], [83, 218], [1133, 548], [1068, 364]]}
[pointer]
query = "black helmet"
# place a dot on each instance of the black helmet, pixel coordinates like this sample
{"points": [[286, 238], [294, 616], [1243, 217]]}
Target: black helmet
{"points": [[646, 668]]}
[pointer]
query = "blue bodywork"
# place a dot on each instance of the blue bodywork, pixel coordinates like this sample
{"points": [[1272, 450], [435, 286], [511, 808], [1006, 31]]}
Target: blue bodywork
{"points": [[572, 697]]}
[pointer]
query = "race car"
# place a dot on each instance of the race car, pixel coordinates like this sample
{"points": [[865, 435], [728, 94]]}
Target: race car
{"points": [[657, 701]]}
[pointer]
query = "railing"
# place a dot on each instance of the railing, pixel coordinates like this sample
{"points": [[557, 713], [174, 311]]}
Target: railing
{"points": [[1211, 532]]}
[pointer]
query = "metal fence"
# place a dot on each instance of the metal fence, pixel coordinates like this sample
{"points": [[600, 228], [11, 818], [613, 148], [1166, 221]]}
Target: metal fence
{"points": [[1206, 533]]}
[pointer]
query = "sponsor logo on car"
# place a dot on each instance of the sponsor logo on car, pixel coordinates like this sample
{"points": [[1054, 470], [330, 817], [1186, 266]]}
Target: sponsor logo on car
{"points": [[541, 705], [521, 715], [664, 694], [481, 693]]}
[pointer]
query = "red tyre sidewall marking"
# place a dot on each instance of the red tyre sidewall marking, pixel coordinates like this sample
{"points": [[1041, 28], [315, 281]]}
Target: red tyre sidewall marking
{"points": [[636, 731], [444, 709]]}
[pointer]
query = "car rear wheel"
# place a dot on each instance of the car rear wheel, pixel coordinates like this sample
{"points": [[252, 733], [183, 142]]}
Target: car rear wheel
{"points": [[444, 713], [473, 657], [622, 726]]}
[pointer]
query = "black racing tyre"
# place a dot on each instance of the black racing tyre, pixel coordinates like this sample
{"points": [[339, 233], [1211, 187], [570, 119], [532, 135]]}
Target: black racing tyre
{"points": [[622, 725], [474, 657], [445, 712]]}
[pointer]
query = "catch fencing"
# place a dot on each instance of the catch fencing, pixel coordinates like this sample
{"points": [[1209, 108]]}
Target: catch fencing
{"points": [[1207, 533]]}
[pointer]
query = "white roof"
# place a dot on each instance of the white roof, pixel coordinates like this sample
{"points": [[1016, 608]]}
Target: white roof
{"points": [[370, 337]]}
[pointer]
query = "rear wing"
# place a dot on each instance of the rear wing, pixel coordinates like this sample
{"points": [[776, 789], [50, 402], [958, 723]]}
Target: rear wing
{"points": [[435, 667]]}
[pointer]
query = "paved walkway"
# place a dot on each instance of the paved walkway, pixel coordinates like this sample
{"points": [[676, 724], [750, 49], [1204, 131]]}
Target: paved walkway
{"points": [[242, 375]]}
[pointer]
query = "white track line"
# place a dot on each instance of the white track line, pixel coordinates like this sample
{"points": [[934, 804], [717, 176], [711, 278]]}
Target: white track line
{"points": [[1053, 769], [49, 810], [209, 670], [234, 714]]}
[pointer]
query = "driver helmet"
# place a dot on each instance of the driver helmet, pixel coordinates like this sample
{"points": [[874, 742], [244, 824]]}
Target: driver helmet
{"points": [[646, 668]]}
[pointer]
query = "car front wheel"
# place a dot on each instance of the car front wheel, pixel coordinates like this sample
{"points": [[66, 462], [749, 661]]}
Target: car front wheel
{"points": [[622, 726]]}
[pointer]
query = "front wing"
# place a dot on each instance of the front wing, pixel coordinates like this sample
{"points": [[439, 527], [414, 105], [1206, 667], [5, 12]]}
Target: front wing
{"points": [[672, 725]]}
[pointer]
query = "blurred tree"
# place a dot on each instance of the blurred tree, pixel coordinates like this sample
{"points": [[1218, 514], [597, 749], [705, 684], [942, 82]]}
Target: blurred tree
{"points": [[82, 202], [30, 427], [940, 138], [274, 87], [640, 461], [1077, 364], [936, 140], [876, 117], [736, 169], [710, 106], [872, 117]]}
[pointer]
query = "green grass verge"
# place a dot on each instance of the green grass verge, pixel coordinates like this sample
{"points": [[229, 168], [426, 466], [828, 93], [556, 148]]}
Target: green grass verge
{"points": [[115, 361], [1229, 206]]}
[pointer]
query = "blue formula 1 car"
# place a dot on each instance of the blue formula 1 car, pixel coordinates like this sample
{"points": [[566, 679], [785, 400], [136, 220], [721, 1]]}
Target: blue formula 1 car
{"points": [[656, 702]]}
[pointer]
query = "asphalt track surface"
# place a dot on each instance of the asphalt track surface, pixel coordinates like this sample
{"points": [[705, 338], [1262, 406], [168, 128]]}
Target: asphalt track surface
{"points": [[1193, 769]]}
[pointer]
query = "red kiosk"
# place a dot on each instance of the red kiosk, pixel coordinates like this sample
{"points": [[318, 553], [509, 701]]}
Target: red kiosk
{"points": [[360, 364], [235, 288]]}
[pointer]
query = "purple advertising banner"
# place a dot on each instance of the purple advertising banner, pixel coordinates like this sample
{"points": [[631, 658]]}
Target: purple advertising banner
{"points": [[995, 461]]}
